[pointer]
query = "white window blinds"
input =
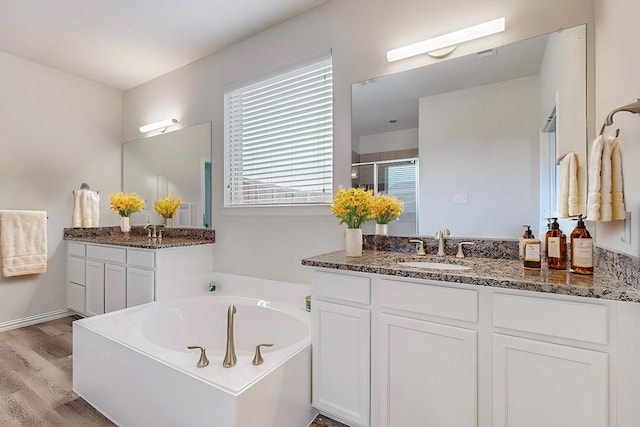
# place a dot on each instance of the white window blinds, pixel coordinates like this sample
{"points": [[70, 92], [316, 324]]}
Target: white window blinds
{"points": [[279, 139]]}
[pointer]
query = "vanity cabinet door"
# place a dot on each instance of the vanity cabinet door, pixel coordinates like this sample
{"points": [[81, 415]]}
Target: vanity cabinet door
{"points": [[140, 286], [542, 384], [428, 374], [341, 359], [115, 290], [94, 287]]}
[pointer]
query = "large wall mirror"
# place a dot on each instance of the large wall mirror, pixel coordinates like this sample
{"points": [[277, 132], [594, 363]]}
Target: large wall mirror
{"points": [[471, 143], [176, 163]]}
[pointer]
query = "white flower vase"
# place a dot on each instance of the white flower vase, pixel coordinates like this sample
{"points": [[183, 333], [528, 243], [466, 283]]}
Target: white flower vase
{"points": [[382, 229], [353, 242], [168, 222], [125, 226]]}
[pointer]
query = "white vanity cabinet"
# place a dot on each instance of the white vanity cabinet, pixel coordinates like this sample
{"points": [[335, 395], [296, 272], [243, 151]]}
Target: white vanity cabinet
{"points": [[105, 278], [341, 346], [550, 362], [470, 356], [427, 369]]}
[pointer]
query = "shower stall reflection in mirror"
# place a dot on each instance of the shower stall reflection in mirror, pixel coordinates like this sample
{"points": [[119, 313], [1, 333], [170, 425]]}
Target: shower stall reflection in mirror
{"points": [[548, 169], [397, 177]]}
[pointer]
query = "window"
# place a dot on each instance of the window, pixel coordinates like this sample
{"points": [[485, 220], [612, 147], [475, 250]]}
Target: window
{"points": [[279, 139]]}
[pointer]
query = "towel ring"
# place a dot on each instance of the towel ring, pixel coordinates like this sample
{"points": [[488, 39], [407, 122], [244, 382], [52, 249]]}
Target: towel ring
{"points": [[633, 107]]}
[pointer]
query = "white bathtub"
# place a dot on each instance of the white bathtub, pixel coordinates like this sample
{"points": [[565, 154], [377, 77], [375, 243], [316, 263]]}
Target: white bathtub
{"points": [[134, 366]]}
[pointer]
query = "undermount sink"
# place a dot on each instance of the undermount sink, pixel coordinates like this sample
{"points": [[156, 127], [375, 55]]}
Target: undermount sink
{"points": [[434, 265]]}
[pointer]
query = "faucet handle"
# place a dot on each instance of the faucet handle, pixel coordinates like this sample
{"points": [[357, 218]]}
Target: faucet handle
{"points": [[460, 253], [203, 355], [257, 359], [420, 246]]}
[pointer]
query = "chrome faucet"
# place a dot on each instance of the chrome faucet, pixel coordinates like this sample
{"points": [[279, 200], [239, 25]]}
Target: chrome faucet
{"points": [[154, 230], [230, 358], [441, 235]]}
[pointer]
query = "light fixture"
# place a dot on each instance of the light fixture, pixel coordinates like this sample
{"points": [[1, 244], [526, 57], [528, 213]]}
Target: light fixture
{"points": [[445, 44], [158, 125]]}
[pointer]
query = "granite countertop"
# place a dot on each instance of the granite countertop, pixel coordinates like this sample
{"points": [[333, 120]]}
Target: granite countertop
{"points": [[502, 273], [137, 238]]}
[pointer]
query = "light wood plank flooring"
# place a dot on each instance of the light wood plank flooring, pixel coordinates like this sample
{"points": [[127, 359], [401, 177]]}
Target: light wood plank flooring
{"points": [[35, 380]]}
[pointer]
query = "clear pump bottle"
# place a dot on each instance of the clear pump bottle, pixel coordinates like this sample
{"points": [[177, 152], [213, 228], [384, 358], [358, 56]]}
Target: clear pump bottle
{"points": [[556, 246], [581, 249]]}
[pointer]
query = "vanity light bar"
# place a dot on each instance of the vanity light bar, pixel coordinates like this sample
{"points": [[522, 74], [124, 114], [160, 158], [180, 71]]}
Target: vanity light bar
{"points": [[447, 40], [158, 125]]}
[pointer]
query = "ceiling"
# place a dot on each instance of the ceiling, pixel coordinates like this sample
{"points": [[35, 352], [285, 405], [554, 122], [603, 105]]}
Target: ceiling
{"points": [[124, 43]]}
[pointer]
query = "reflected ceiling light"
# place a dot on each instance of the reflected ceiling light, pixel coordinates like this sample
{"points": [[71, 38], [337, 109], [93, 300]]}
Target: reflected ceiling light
{"points": [[445, 44], [158, 125]]}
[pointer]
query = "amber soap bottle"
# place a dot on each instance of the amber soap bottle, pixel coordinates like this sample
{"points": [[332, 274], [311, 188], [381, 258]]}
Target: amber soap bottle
{"points": [[581, 249], [556, 247]]}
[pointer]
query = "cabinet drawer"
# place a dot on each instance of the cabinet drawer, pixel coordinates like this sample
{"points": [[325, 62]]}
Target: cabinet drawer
{"points": [[341, 286], [434, 300], [105, 253], [77, 249], [140, 258], [563, 319]]}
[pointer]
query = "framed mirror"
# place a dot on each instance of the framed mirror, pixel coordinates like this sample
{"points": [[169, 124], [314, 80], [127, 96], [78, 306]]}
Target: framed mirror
{"points": [[176, 163], [486, 128]]}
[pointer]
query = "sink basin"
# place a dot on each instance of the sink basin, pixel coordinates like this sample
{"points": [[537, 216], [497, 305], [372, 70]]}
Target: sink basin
{"points": [[435, 265]]}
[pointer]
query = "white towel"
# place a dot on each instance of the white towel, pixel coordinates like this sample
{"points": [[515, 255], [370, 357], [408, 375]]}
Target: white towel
{"points": [[570, 199], [86, 209], [595, 169], [617, 186], [563, 193], [605, 181], [23, 242]]}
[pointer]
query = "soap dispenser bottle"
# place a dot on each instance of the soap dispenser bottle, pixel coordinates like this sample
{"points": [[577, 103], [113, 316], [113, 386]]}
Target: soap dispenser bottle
{"points": [[528, 235], [581, 249], [556, 246]]}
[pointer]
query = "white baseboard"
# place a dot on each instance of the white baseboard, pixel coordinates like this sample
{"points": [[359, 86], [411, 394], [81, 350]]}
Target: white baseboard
{"points": [[32, 320]]}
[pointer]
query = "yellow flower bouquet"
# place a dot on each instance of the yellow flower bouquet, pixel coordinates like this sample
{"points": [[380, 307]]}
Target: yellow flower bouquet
{"points": [[126, 203], [353, 206], [386, 208], [167, 207]]}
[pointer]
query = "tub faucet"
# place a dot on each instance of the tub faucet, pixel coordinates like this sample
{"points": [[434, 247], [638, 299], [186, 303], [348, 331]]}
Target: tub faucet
{"points": [[441, 235], [230, 358]]}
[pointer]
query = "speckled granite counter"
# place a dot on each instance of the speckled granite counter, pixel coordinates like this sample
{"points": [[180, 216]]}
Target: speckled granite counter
{"points": [[484, 272], [137, 238]]}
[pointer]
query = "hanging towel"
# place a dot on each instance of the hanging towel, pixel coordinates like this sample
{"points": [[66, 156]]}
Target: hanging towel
{"points": [[617, 186], [605, 180], [86, 209], [23, 242], [563, 193], [570, 199], [595, 169]]}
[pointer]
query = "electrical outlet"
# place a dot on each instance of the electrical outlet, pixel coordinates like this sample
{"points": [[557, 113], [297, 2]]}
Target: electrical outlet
{"points": [[459, 198]]}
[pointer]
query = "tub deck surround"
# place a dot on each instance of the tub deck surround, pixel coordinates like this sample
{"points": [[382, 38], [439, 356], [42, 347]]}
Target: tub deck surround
{"points": [[502, 273], [137, 238], [133, 365]]}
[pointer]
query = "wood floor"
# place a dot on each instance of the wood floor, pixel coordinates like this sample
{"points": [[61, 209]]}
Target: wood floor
{"points": [[35, 380]]}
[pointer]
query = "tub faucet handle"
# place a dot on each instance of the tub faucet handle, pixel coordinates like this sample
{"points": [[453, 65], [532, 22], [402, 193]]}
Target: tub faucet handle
{"points": [[203, 355], [257, 359]]}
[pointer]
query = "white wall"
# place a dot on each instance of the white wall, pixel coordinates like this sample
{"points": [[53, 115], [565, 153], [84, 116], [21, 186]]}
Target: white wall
{"points": [[404, 139], [488, 151], [256, 242], [57, 131], [617, 84]]}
